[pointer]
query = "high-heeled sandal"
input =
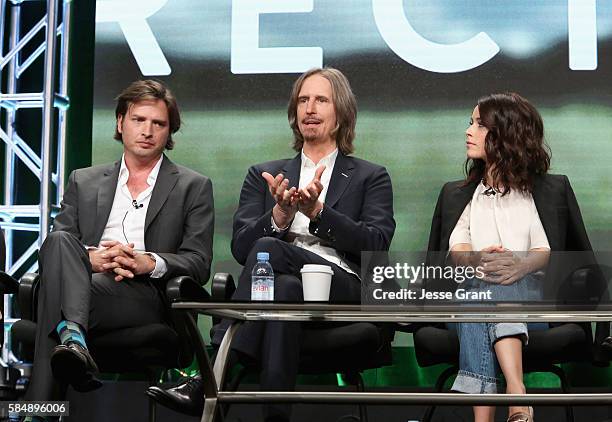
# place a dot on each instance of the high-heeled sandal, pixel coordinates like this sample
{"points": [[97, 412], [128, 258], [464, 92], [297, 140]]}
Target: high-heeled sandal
{"points": [[521, 416]]}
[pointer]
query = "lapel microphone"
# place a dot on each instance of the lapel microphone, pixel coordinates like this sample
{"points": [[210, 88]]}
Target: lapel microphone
{"points": [[136, 204]]}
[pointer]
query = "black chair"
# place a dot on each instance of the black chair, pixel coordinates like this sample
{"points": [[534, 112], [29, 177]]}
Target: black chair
{"points": [[150, 349], [348, 349], [561, 343], [8, 285]]}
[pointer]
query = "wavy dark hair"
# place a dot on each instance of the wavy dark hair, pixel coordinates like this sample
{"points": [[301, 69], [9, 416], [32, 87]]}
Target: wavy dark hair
{"points": [[514, 146], [345, 106], [149, 90]]}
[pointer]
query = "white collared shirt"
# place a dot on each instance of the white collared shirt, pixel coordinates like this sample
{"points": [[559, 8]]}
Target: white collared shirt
{"points": [[299, 227], [126, 221], [511, 220]]}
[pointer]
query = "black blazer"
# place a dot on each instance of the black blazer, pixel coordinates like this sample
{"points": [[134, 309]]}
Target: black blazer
{"points": [[558, 211], [357, 214], [554, 199]]}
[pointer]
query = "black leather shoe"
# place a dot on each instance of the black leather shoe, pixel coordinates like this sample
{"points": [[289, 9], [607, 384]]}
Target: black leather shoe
{"points": [[187, 397], [72, 364], [607, 344]]}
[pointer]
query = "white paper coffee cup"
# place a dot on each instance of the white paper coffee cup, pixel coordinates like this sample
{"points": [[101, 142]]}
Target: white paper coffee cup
{"points": [[316, 281]]}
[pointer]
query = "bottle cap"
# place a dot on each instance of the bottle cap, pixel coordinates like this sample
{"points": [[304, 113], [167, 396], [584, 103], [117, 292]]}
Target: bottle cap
{"points": [[263, 256]]}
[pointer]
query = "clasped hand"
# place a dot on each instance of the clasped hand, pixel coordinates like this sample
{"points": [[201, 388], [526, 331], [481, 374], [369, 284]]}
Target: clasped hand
{"points": [[290, 201], [120, 259], [501, 266]]}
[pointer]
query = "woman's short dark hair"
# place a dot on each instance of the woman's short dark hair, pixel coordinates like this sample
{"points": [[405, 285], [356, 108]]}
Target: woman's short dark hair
{"points": [[514, 145], [345, 106], [149, 90]]}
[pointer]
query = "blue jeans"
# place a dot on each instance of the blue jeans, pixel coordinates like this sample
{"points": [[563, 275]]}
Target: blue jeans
{"points": [[478, 366]]}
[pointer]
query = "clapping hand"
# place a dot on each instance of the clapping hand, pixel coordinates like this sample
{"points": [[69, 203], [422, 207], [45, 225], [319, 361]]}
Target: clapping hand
{"points": [[286, 199], [290, 200], [308, 202]]}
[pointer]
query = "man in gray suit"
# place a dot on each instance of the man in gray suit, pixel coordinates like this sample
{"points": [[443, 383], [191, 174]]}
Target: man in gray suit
{"points": [[123, 230]]}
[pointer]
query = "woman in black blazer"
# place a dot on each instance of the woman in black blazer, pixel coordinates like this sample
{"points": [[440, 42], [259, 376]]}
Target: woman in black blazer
{"points": [[508, 214]]}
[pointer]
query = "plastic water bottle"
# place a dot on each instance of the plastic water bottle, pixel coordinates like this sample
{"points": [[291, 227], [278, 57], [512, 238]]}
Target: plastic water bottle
{"points": [[262, 278]]}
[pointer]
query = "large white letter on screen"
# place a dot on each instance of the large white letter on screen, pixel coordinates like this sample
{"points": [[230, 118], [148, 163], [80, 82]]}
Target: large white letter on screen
{"points": [[401, 37], [582, 34], [246, 55], [131, 16]]}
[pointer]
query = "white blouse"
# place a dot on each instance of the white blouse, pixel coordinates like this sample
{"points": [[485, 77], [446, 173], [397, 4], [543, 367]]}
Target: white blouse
{"points": [[511, 221]]}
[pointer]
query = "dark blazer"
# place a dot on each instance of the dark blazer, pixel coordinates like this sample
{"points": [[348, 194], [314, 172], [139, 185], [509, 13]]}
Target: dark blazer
{"points": [[179, 222], [554, 199], [560, 216], [357, 214]]}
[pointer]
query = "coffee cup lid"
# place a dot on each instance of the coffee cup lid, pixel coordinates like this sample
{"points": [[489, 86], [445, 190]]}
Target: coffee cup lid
{"points": [[316, 268]]}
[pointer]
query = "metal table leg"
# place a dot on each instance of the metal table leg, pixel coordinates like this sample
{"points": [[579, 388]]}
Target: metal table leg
{"points": [[220, 367], [217, 377], [212, 378], [208, 378]]}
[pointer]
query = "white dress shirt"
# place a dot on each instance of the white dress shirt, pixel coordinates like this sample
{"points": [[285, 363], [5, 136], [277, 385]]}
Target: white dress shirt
{"points": [[127, 217], [511, 221], [298, 231]]}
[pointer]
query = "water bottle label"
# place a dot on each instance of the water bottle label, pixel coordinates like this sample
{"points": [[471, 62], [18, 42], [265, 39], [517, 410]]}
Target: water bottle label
{"points": [[262, 288]]}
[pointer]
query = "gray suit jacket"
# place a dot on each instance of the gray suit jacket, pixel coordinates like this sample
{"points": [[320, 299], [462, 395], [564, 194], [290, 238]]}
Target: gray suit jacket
{"points": [[179, 222]]}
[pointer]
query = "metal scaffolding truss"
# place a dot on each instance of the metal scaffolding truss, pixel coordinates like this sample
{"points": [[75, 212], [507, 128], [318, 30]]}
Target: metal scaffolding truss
{"points": [[48, 165], [23, 49]]}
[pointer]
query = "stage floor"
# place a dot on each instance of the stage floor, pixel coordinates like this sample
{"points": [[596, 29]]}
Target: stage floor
{"points": [[124, 401]]}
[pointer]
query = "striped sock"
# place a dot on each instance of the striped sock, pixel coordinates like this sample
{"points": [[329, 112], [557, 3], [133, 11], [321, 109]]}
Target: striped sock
{"points": [[71, 331]]}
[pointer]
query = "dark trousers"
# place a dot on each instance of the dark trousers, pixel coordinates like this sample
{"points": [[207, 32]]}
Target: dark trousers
{"points": [[275, 345], [98, 303]]}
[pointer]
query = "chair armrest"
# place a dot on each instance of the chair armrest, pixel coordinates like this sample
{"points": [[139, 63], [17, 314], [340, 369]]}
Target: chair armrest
{"points": [[585, 285], [580, 279], [603, 278], [8, 285], [223, 287], [185, 289], [27, 295]]}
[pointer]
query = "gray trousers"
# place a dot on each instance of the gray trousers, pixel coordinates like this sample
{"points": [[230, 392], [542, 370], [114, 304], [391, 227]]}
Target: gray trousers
{"points": [[69, 290]]}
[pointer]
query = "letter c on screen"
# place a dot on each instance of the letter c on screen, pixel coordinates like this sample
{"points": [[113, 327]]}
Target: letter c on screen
{"points": [[402, 38]]}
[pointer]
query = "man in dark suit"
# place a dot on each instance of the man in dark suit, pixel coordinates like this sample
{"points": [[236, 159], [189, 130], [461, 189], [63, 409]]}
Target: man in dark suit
{"points": [[122, 231], [321, 207]]}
